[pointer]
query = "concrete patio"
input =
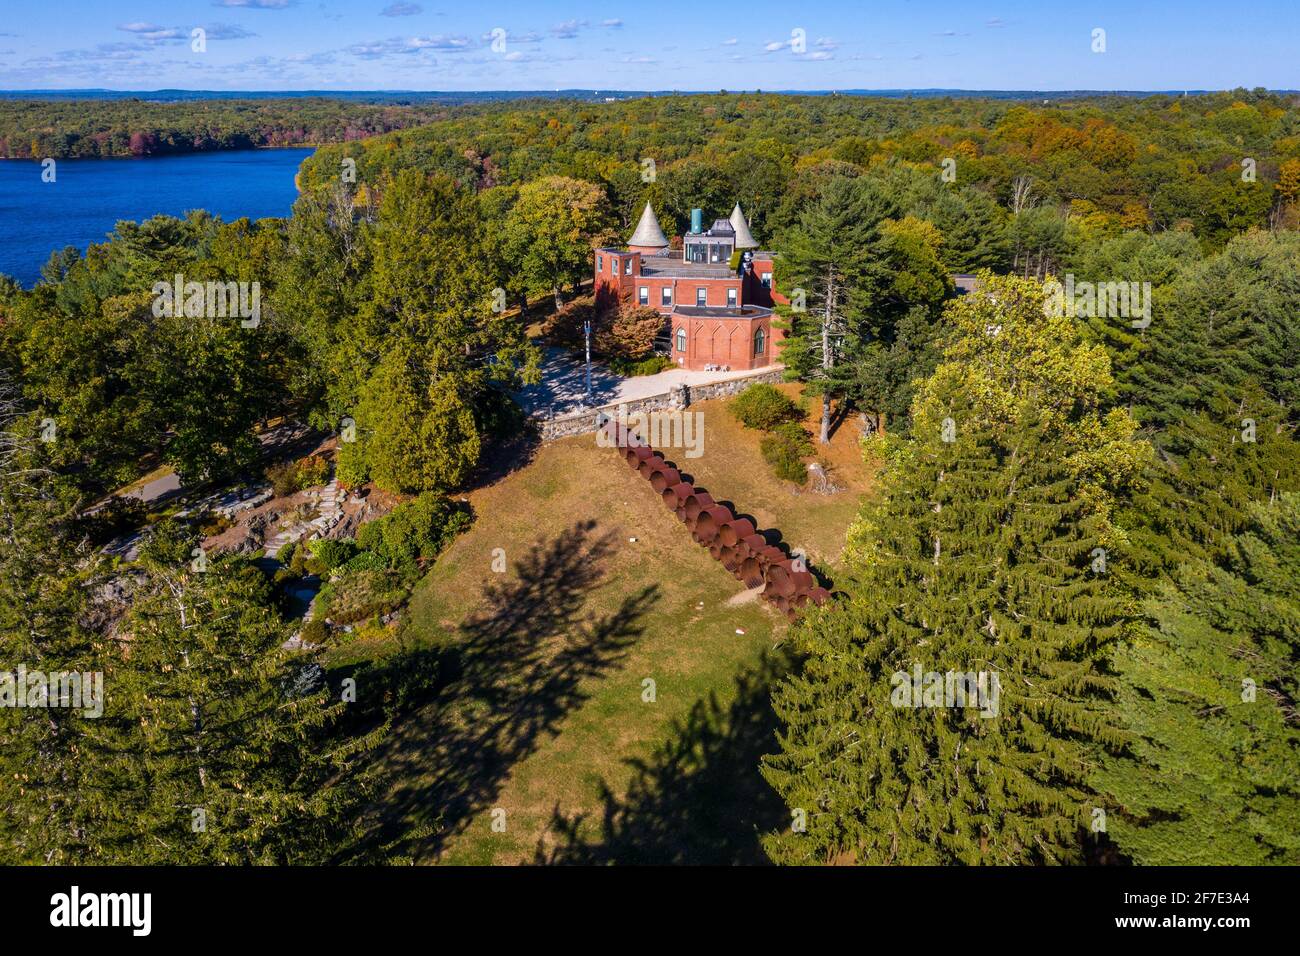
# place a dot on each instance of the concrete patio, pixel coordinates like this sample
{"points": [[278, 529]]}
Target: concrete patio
{"points": [[563, 384]]}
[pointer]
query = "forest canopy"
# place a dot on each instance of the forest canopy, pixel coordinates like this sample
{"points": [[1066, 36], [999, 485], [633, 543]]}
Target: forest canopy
{"points": [[102, 128], [1103, 509]]}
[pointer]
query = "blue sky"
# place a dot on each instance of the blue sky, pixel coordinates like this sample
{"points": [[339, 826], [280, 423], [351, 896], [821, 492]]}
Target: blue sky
{"points": [[663, 44]]}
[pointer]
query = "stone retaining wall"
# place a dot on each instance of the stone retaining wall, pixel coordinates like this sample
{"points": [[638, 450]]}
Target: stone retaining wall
{"points": [[682, 396]]}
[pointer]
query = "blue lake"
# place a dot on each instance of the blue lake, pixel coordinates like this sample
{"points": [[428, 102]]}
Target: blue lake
{"points": [[90, 196]]}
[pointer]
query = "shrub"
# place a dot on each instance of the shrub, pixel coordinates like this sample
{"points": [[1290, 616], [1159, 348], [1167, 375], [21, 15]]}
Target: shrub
{"points": [[291, 476], [332, 553], [619, 329], [360, 595], [647, 366], [366, 561], [212, 524], [350, 467], [628, 333], [784, 449], [564, 327], [315, 631], [298, 560], [283, 478], [312, 470], [764, 406], [415, 530], [797, 436]]}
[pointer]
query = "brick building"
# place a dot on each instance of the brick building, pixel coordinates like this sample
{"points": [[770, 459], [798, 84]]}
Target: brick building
{"points": [[716, 314]]}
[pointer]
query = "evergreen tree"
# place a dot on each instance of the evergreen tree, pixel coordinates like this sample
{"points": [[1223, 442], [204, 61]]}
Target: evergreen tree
{"points": [[1228, 321], [433, 345], [44, 583], [980, 555], [217, 744], [1210, 692], [827, 263], [1209, 776]]}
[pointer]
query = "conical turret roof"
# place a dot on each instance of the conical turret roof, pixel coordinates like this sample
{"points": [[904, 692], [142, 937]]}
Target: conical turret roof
{"points": [[744, 238], [648, 232]]}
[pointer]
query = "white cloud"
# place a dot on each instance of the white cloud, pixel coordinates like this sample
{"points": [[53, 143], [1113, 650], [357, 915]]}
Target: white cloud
{"points": [[401, 10], [529, 37], [152, 34], [255, 4], [568, 29], [400, 46]]}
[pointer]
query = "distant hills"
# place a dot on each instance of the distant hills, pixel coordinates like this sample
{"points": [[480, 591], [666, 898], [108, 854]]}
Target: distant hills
{"points": [[401, 97]]}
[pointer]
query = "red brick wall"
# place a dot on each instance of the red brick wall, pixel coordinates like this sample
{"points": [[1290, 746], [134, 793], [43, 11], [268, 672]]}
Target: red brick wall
{"points": [[603, 262], [721, 342], [709, 341]]}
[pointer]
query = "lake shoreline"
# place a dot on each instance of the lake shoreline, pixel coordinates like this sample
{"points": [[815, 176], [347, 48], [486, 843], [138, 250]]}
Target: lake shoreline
{"points": [[87, 199], [193, 152]]}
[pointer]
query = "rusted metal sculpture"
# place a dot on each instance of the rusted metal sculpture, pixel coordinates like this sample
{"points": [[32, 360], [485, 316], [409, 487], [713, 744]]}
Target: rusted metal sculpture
{"points": [[675, 497], [664, 477], [731, 540]]}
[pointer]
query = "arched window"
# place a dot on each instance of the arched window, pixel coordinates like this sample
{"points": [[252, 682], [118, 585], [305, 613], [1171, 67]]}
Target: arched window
{"points": [[681, 340], [760, 342]]}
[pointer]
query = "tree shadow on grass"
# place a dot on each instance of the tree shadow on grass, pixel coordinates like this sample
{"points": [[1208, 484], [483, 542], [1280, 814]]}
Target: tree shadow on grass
{"points": [[699, 799], [503, 457], [520, 665]]}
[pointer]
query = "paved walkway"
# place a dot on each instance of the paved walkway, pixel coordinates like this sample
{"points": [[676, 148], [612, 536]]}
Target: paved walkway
{"points": [[563, 384], [285, 438]]}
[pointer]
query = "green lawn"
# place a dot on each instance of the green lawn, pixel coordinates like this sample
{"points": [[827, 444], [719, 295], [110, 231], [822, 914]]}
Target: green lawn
{"points": [[542, 714]]}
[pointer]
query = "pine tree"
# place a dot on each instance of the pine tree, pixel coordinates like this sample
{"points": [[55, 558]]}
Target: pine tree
{"points": [[1208, 778], [44, 583], [980, 555], [1211, 692], [430, 340], [217, 744], [1230, 321], [827, 261]]}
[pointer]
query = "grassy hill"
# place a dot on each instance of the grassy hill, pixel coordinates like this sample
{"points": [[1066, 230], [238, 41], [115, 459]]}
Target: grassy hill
{"points": [[545, 717]]}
